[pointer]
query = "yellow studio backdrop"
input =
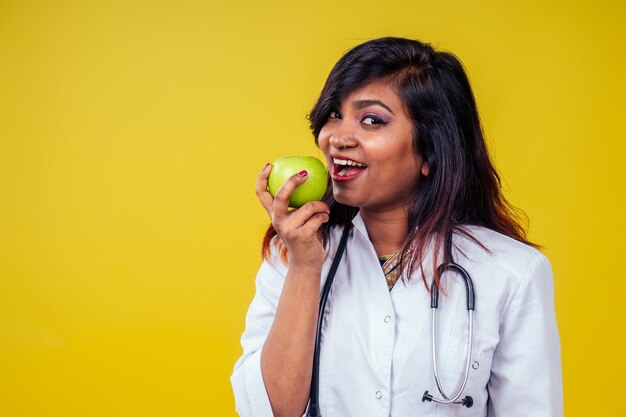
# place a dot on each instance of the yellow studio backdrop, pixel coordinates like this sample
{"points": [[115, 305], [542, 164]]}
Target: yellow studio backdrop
{"points": [[131, 135]]}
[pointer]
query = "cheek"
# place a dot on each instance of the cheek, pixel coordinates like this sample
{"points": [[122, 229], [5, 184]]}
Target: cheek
{"points": [[323, 145], [401, 164], [323, 139]]}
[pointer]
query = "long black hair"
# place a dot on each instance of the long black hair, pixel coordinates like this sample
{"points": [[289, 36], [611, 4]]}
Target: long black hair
{"points": [[463, 186]]}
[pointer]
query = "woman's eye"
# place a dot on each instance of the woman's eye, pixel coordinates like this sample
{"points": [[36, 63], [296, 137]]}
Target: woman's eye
{"points": [[372, 120], [334, 115]]}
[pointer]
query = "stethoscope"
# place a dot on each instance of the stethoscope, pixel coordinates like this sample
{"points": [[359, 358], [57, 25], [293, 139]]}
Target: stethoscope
{"points": [[313, 410]]}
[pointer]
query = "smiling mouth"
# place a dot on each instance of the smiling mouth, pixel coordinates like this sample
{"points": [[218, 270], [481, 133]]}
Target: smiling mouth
{"points": [[347, 167]]}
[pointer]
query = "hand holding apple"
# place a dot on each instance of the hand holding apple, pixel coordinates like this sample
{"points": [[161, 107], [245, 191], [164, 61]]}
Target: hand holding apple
{"points": [[298, 229], [312, 190]]}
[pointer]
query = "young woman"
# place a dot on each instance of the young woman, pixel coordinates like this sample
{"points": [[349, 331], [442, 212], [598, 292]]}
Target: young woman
{"points": [[413, 187]]}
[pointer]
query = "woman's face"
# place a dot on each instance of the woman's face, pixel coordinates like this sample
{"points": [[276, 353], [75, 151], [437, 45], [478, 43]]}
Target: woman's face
{"points": [[378, 135]]}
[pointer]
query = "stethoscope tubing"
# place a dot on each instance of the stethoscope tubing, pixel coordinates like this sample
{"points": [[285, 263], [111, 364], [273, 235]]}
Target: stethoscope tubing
{"points": [[313, 410], [470, 298], [447, 399], [314, 392]]}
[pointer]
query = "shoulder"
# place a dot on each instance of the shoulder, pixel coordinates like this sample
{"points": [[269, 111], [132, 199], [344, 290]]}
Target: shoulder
{"points": [[505, 254], [275, 263], [511, 276]]}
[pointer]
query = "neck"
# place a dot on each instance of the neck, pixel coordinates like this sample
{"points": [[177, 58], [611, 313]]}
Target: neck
{"points": [[387, 229]]}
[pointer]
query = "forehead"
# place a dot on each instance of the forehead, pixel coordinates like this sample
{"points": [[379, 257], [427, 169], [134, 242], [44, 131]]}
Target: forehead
{"points": [[378, 90]]}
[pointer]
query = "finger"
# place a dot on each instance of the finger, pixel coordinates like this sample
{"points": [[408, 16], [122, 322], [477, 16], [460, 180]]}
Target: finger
{"points": [[314, 223], [264, 196], [281, 199], [301, 215]]}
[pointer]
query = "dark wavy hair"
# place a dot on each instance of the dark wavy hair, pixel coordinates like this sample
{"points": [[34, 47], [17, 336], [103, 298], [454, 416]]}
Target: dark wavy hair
{"points": [[463, 186]]}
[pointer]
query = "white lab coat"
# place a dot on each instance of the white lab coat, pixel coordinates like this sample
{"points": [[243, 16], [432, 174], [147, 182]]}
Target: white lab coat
{"points": [[376, 354]]}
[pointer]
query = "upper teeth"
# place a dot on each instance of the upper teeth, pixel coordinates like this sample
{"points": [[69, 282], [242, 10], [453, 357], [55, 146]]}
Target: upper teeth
{"points": [[338, 161]]}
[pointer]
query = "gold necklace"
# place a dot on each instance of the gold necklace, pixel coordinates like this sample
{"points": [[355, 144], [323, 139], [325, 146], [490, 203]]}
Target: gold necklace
{"points": [[391, 268]]}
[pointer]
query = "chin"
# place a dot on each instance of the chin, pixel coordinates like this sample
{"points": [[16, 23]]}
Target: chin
{"points": [[346, 199]]}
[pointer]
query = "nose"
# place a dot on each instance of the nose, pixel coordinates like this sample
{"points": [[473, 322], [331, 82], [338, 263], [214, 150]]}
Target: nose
{"points": [[344, 141], [341, 134]]}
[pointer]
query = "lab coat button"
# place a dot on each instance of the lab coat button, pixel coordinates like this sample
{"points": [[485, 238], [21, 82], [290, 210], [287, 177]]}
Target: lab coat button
{"points": [[379, 395], [387, 319]]}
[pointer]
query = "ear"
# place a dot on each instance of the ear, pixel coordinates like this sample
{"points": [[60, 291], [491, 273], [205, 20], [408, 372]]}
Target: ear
{"points": [[425, 169]]}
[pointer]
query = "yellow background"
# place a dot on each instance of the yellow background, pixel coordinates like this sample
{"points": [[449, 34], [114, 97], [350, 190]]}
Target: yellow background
{"points": [[131, 135]]}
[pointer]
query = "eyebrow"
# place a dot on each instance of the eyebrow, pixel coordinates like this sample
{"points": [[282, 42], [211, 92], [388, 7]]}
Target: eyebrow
{"points": [[360, 104]]}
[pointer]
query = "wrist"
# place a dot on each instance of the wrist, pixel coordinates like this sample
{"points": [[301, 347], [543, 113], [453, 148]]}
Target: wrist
{"points": [[305, 268]]}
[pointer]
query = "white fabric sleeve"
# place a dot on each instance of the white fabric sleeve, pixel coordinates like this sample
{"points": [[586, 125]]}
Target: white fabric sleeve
{"points": [[526, 379], [251, 399]]}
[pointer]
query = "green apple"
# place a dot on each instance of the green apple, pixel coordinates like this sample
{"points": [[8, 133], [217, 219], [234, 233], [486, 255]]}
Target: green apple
{"points": [[316, 181]]}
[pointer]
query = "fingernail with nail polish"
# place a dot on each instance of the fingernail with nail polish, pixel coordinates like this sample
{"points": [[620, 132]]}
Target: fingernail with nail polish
{"points": [[302, 173]]}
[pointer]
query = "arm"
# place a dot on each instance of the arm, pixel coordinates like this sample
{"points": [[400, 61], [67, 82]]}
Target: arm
{"points": [[287, 358], [526, 376], [273, 375], [250, 396]]}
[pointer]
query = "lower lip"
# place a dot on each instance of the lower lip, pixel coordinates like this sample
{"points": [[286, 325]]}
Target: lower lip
{"points": [[344, 178]]}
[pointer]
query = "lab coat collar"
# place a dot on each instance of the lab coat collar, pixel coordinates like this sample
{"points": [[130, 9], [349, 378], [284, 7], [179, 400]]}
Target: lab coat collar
{"points": [[359, 225]]}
